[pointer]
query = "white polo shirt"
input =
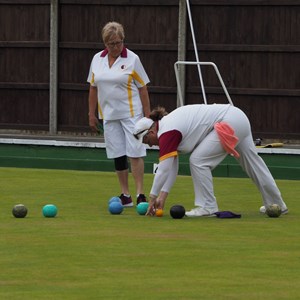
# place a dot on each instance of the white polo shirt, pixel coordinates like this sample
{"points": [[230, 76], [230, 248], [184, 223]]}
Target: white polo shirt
{"points": [[185, 127], [117, 87]]}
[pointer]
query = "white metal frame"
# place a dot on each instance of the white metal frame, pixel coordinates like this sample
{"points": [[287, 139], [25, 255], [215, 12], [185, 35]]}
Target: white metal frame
{"points": [[196, 51], [198, 64], [207, 63]]}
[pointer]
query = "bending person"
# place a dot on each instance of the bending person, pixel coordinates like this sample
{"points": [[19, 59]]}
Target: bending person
{"points": [[208, 133]]}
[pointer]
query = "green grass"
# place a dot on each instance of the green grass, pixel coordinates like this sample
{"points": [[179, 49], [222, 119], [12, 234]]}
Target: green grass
{"points": [[86, 253]]}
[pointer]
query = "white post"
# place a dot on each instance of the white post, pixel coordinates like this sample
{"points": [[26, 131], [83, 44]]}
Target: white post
{"points": [[53, 67], [196, 51], [181, 51]]}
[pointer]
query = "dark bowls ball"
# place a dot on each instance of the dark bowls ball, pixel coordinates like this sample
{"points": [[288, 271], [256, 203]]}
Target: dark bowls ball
{"points": [[177, 211], [19, 211]]}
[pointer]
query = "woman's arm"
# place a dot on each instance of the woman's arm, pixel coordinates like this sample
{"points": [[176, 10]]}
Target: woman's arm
{"points": [[145, 100], [93, 100], [163, 182]]}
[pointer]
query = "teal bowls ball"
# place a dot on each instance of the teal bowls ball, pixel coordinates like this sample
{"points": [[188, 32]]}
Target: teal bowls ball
{"points": [[142, 208], [49, 211]]}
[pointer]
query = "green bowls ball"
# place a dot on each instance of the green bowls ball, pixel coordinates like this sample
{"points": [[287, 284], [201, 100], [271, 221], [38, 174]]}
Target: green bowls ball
{"points": [[142, 208], [19, 211], [273, 211], [49, 211]]}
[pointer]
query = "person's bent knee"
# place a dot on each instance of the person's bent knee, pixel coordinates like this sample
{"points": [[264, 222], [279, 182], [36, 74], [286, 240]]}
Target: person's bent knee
{"points": [[196, 163], [121, 163]]}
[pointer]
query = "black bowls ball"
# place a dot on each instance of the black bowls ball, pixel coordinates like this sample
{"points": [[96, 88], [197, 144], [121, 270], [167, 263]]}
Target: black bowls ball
{"points": [[177, 211]]}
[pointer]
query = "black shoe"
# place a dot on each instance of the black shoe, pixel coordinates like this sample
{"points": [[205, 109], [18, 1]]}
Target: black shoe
{"points": [[141, 198], [126, 201]]}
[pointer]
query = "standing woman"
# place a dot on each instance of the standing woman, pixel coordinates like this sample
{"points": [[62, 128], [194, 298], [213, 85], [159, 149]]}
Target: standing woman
{"points": [[118, 90]]}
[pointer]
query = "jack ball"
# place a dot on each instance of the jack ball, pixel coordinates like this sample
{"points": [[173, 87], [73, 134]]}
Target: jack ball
{"points": [[159, 212]]}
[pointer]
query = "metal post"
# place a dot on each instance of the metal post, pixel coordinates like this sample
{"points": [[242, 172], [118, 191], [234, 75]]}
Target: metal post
{"points": [[207, 63], [181, 50], [53, 67], [196, 51]]}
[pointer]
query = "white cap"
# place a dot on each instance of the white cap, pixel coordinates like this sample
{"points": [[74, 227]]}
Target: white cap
{"points": [[141, 128]]}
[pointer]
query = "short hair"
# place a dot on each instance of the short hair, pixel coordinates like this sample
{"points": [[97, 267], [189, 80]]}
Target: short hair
{"points": [[111, 29]]}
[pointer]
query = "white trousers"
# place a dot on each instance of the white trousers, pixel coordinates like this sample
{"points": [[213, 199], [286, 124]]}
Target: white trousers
{"points": [[210, 153]]}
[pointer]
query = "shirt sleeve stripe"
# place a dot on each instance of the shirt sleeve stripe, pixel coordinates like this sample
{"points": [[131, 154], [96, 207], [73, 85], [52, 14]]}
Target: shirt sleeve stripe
{"points": [[93, 79], [174, 153], [137, 77]]}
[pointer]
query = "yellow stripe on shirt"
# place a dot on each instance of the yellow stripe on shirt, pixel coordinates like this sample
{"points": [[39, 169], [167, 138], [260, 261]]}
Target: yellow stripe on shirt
{"points": [[174, 153], [134, 75], [137, 77], [93, 79], [129, 92], [100, 111]]}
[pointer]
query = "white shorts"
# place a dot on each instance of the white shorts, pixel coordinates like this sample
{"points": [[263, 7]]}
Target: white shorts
{"points": [[119, 139]]}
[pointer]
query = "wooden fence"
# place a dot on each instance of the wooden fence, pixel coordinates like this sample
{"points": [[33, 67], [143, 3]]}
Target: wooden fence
{"points": [[255, 44]]}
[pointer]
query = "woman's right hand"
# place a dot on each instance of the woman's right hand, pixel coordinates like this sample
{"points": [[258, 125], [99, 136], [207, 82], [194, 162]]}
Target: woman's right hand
{"points": [[152, 207], [94, 123]]}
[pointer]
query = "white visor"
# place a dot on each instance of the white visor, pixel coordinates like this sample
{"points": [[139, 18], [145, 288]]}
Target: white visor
{"points": [[141, 128]]}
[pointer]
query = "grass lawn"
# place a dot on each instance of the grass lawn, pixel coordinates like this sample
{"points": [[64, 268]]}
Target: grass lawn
{"points": [[87, 253]]}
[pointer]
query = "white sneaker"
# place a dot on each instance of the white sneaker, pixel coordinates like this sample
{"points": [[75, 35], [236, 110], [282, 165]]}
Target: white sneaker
{"points": [[201, 212], [284, 210]]}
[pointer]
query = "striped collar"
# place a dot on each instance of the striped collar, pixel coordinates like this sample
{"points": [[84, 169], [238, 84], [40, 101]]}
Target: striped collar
{"points": [[123, 53]]}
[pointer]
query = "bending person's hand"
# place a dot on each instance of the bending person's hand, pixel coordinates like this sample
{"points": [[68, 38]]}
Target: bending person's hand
{"points": [[152, 206]]}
